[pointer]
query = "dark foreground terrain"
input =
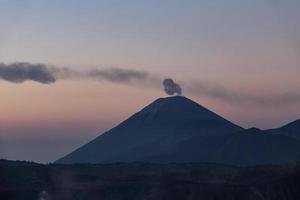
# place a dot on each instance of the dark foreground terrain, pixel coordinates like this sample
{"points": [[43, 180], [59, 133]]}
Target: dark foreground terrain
{"points": [[140, 181]]}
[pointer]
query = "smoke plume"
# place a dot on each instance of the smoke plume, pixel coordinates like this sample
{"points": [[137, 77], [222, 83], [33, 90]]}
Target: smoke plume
{"points": [[46, 74], [120, 75], [171, 88], [20, 72]]}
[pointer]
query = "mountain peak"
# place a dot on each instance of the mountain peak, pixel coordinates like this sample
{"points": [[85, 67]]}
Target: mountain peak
{"points": [[177, 102], [175, 109], [154, 131], [173, 98]]}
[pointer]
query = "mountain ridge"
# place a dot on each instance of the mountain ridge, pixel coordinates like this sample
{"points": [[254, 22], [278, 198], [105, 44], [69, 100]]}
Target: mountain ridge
{"points": [[247, 147], [291, 129]]}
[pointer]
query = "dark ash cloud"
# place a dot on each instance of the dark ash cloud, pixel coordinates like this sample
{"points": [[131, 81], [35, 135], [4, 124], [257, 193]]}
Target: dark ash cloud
{"points": [[20, 72], [45, 74], [171, 88]]}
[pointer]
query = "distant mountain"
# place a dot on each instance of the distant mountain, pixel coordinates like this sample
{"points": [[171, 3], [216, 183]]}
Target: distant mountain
{"points": [[292, 130], [156, 130], [248, 147], [4, 162]]}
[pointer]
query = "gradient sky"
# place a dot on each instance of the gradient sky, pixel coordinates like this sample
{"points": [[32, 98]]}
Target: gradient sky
{"points": [[250, 47]]}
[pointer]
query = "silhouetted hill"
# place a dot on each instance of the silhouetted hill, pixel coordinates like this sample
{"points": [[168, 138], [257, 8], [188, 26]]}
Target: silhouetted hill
{"points": [[5, 162], [136, 181], [155, 130], [248, 147], [292, 130]]}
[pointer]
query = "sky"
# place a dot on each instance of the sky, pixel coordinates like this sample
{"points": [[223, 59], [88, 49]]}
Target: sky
{"points": [[241, 59]]}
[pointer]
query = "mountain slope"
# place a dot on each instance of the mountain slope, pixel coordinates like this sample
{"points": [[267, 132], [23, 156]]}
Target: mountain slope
{"points": [[155, 130], [292, 130], [248, 147]]}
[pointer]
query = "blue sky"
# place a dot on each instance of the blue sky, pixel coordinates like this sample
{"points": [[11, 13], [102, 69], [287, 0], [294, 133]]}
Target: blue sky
{"points": [[144, 33]]}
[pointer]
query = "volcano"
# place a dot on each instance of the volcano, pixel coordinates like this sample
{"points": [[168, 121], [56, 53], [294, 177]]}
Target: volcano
{"points": [[178, 130], [153, 133]]}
